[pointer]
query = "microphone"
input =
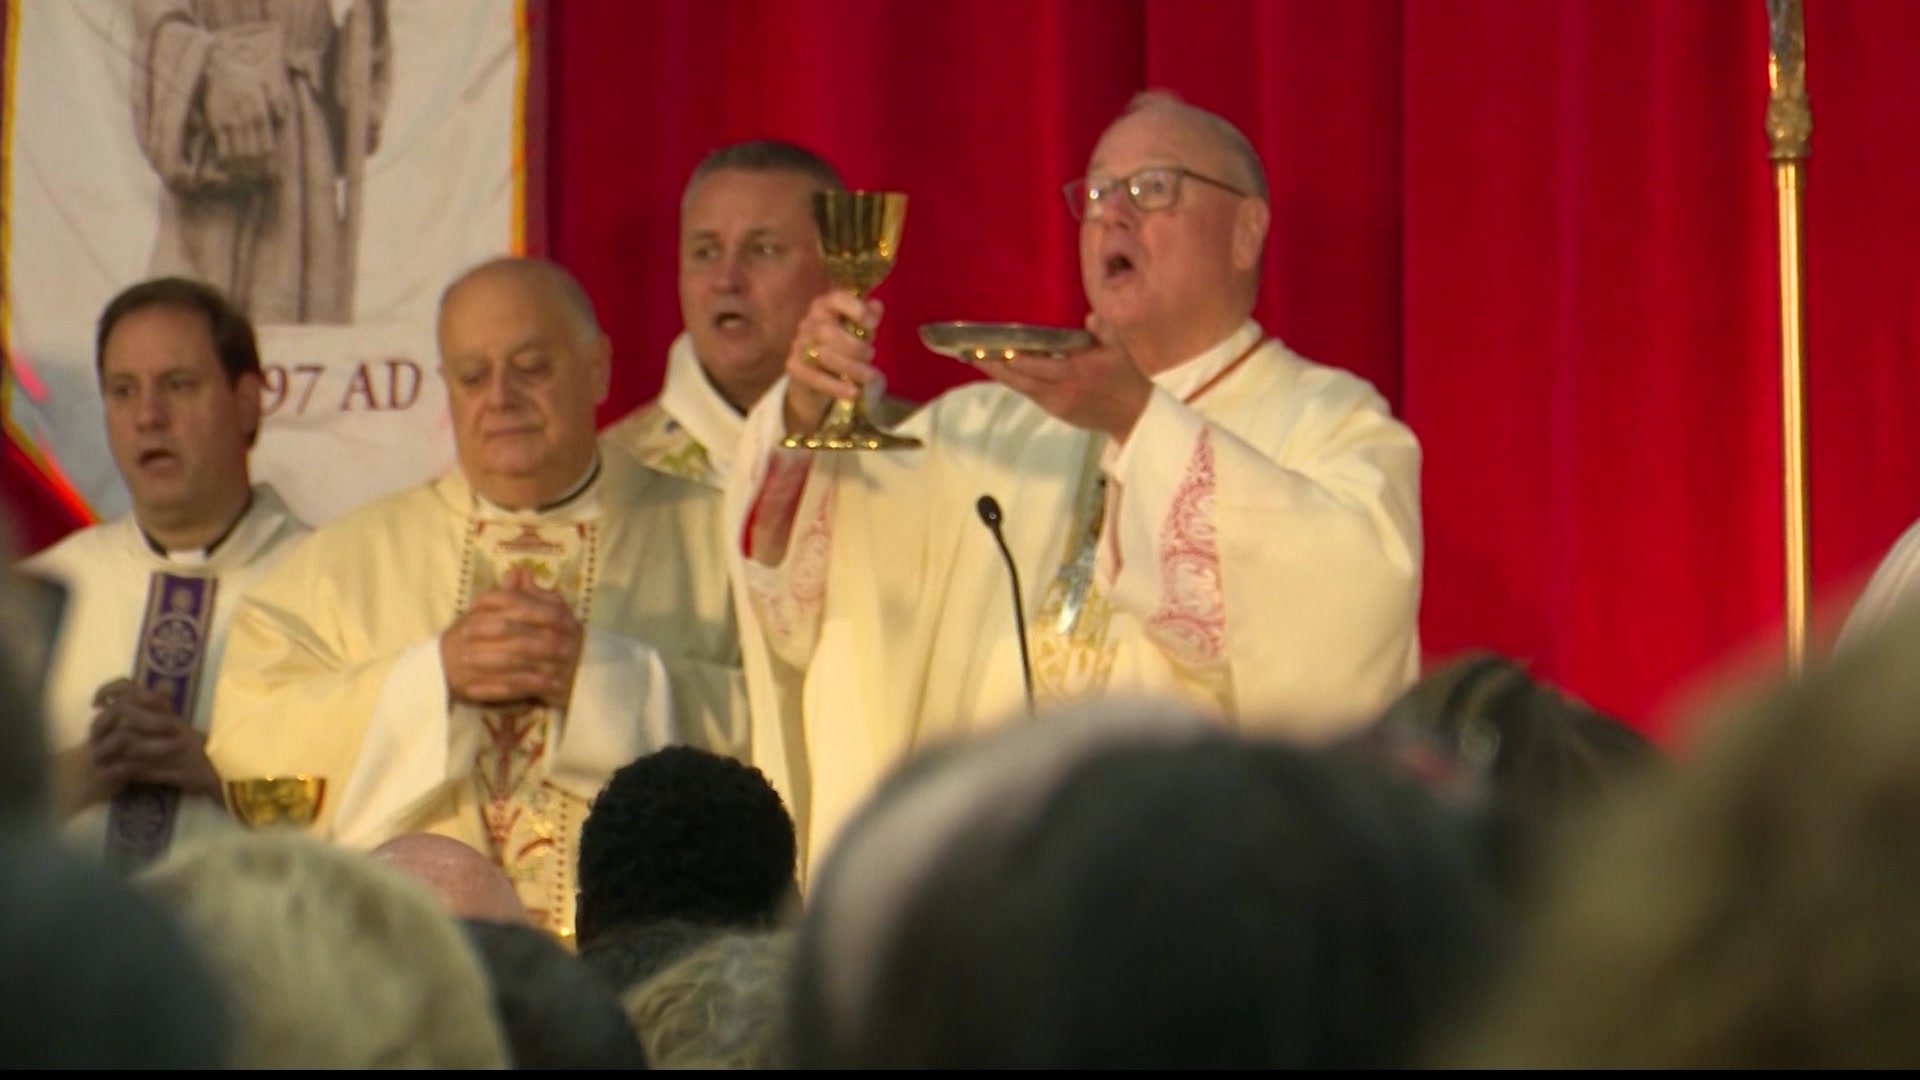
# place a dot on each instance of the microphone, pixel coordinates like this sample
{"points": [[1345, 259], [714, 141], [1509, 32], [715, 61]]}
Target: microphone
{"points": [[989, 510]]}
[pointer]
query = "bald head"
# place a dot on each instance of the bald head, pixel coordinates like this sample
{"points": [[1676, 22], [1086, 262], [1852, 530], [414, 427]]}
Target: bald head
{"points": [[525, 369], [545, 276], [466, 882], [1243, 165]]}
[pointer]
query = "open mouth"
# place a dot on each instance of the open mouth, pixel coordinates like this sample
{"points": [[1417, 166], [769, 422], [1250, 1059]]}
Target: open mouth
{"points": [[1117, 266], [729, 320], [157, 458]]}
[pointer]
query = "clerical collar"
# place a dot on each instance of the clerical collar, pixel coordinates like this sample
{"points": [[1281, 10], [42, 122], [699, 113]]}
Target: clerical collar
{"points": [[1192, 378], [197, 556], [570, 495]]}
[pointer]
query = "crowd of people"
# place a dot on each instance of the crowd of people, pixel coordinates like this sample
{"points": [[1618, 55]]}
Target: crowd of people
{"points": [[669, 746]]}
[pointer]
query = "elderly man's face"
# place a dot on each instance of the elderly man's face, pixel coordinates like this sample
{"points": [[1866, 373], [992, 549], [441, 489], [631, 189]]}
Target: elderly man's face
{"points": [[1148, 271], [523, 379], [749, 266], [177, 427]]}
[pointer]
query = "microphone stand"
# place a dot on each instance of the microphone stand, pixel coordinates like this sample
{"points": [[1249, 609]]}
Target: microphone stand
{"points": [[989, 510]]}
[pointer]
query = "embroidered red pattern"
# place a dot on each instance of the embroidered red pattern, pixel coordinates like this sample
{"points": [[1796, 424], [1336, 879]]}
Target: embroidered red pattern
{"points": [[1191, 621], [810, 560], [790, 611], [516, 743]]}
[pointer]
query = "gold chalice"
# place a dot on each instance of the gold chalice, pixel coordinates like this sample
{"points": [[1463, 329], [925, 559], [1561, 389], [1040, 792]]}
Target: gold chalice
{"points": [[277, 800], [859, 236]]}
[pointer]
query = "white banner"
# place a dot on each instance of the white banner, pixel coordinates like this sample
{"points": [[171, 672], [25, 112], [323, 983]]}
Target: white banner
{"points": [[214, 139]]}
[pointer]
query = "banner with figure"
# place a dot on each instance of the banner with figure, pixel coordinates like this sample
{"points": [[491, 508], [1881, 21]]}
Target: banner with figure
{"points": [[330, 164]]}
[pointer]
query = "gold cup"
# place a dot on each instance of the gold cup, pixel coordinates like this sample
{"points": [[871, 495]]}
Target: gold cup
{"points": [[859, 236], [277, 800]]}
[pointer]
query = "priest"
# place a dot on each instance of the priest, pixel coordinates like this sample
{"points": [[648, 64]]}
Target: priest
{"points": [[476, 656], [149, 597], [749, 266], [1194, 510]]}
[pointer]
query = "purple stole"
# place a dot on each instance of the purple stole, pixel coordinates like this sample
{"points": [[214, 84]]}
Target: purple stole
{"points": [[168, 658]]}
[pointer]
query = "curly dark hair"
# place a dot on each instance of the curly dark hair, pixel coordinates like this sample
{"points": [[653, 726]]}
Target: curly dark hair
{"points": [[683, 833]]}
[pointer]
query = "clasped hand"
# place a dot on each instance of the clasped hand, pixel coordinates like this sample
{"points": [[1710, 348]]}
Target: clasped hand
{"points": [[518, 642], [137, 738], [246, 100]]}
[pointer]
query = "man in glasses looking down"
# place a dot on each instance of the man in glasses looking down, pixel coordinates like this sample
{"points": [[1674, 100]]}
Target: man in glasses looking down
{"points": [[1195, 510]]}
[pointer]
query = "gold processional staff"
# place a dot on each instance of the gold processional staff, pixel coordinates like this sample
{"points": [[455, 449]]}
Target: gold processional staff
{"points": [[1789, 128]]}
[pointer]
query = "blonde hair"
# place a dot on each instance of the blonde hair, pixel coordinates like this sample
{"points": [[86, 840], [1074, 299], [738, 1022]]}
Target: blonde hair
{"points": [[332, 960], [721, 1006]]}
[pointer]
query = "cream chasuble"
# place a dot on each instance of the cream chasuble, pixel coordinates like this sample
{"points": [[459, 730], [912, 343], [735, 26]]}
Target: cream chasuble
{"points": [[1254, 549], [108, 569], [688, 431], [334, 666]]}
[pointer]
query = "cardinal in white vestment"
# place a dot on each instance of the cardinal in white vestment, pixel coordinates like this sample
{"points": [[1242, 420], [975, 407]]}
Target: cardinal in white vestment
{"points": [[476, 656], [150, 596], [1193, 509]]}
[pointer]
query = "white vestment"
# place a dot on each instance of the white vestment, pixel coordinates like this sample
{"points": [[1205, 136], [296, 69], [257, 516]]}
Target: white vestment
{"points": [[334, 664], [107, 569], [1258, 553], [1893, 589], [691, 430]]}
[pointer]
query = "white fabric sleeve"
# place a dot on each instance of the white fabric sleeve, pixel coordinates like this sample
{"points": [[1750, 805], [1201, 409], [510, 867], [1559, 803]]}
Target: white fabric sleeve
{"points": [[787, 598], [405, 759], [621, 708]]}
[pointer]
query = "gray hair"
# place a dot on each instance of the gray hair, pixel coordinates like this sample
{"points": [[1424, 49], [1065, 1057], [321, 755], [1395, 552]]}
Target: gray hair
{"points": [[723, 1005], [333, 960], [764, 156], [1252, 173]]}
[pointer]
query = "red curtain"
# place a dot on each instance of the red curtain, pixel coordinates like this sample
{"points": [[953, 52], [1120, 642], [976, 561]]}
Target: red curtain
{"points": [[1545, 230]]}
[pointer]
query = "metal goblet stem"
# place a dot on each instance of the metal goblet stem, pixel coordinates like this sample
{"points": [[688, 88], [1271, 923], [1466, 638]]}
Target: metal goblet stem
{"points": [[859, 237]]}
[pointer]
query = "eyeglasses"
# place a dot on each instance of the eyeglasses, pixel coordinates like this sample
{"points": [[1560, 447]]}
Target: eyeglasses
{"points": [[1156, 188]]}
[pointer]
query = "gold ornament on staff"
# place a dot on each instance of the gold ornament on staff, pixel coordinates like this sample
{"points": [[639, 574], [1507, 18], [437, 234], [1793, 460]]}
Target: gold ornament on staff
{"points": [[859, 237], [1789, 129]]}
